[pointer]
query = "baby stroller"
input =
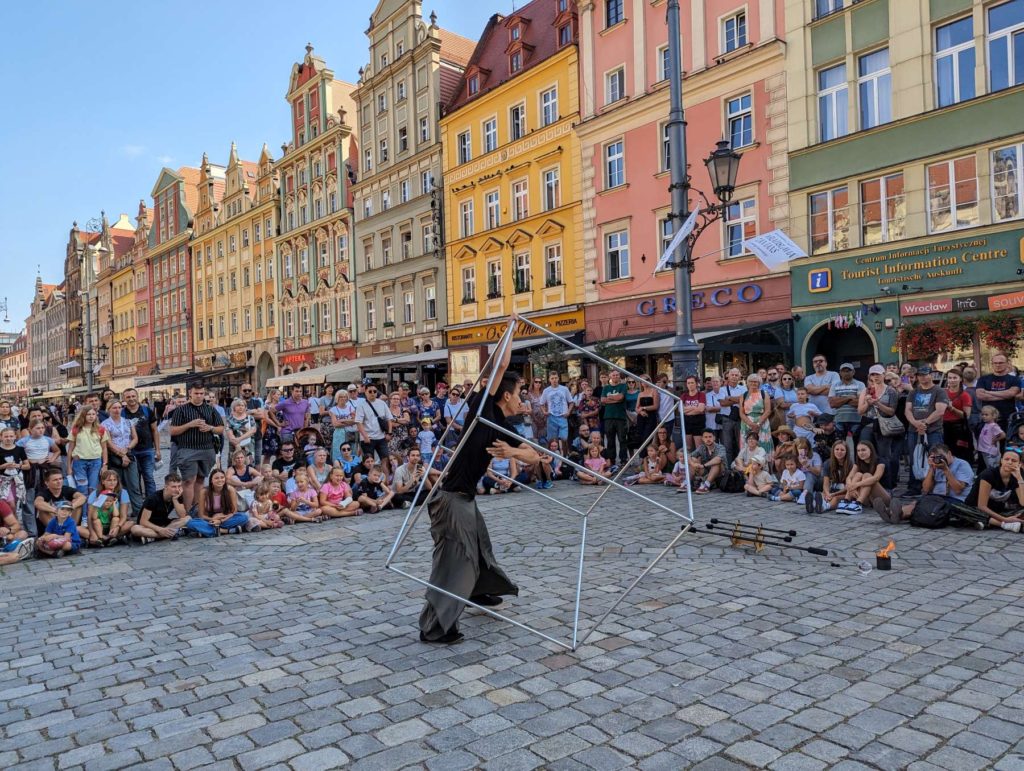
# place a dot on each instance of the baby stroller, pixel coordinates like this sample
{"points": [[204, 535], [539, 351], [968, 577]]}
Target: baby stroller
{"points": [[1013, 425]]}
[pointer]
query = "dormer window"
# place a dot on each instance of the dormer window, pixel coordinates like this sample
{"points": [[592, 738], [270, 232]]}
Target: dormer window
{"points": [[474, 85], [515, 62], [515, 33]]}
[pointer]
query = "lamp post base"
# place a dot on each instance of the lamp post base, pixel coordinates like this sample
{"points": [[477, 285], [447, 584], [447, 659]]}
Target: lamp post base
{"points": [[685, 360]]}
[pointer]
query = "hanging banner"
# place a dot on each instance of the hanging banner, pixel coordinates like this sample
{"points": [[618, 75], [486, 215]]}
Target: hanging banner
{"points": [[684, 231], [774, 249]]}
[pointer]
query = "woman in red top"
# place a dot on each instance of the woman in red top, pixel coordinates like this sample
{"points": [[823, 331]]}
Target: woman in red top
{"points": [[956, 434], [693, 411]]}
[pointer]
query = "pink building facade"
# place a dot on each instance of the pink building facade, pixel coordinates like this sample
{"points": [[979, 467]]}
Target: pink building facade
{"points": [[733, 88]]}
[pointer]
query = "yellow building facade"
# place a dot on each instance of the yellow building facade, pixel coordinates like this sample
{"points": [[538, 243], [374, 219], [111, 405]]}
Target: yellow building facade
{"points": [[123, 306], [512, 172], [233, 270]]}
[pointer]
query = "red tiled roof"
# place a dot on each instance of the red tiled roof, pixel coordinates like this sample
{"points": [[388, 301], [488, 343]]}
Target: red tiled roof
{"points": [[251, 169], [123, 241], [455, 48], [539, 42], [192, 176], [88, 236]]}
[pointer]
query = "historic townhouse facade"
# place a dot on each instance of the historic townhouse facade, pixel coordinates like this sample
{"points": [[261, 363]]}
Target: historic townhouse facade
{"points": [[175, 197], [123, 321], [906, 145], [39, 338], [315, 323], [233, 268], [80, 260], [56, 321], [512, 176], [399, 263], [14, 369], [143, 331], [734, 87], [115, 241]]}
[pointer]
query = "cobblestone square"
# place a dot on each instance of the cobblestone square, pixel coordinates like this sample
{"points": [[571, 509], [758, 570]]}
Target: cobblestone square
{"points": [[297, 649]]}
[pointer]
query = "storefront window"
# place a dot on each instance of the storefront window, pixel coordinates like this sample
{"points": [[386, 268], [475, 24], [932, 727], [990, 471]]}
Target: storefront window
{"points": [[830, 221], [1006, 182], [952, 194], [883, 209]]}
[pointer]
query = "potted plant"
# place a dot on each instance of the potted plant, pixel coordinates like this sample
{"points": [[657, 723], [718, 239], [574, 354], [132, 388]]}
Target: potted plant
{"points": [[920, 341], [468, 299], [389, 323], [1001, 331], [552, 282], [521, 285]]}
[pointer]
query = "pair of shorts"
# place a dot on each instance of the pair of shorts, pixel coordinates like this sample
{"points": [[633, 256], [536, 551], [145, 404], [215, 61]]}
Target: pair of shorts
{"points": [[558, 427], [194, 464]]}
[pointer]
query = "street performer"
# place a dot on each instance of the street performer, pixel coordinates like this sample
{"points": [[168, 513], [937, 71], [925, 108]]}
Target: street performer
{"points": [[463, 562]]}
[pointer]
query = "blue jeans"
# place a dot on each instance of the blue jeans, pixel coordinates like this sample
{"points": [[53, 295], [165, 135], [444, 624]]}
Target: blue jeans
{"points": [[146, 464], [558, 428], [86, 473], [235, 520]]}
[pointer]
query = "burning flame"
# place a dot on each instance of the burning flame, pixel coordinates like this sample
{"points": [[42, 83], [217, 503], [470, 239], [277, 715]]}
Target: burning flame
{"points": [[885, 552]]}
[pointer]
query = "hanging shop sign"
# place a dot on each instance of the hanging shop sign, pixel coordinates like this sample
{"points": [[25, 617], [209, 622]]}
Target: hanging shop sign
{"points": [[718, 298]]}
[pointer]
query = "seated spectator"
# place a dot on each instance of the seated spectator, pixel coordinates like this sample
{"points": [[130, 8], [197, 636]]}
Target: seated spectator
{"points": [[408, 477], [999, 493], [109, 519], [351, 462], [792, 481], [372, 492], [303, 501], [243, 479], [948, 477], [834, 476], [989, 437], [597, 466], [760, 483], [218, 505], [278, 497], [264, 508], [667, 451], [320, 469], [864, 481], [13, 463], [1016, 442], [285, 464], [809, 462], [163, 514], [825, 434], [707, 462], [751, 450], [494, 480], [580, 447], [802, 414], [548, 467], [785, 448], [336, 496], [53, 494], [650, 469], [61, 535]]}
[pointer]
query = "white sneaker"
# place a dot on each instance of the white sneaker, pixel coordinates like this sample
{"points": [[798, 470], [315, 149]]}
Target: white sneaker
{"points": [[28, 547], [1013, 527]]}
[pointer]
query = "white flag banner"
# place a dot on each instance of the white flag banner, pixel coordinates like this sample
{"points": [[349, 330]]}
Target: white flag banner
{"points": [[684, 231], [774, 249]]}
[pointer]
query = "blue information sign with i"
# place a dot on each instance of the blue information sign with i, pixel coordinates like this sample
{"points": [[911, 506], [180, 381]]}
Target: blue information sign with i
{"points": [[819, 280]]}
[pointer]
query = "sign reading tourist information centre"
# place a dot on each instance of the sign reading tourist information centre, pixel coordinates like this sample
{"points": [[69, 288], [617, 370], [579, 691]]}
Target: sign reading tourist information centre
{"points": [[973, 271]]}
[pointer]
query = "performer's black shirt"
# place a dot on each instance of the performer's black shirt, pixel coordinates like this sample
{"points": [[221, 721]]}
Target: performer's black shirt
{"points": [[471, 464]]}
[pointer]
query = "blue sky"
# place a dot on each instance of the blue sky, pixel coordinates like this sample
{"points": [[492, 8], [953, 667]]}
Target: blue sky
{"points": [[99, 96]]}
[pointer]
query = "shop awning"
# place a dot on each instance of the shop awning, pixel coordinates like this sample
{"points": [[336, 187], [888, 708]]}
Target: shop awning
{"points": [[662, 345], [68, 365], [423, 357], [212, 374]]}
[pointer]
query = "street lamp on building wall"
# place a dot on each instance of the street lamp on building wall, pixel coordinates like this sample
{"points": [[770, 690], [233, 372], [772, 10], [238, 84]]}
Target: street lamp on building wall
{"points": [[723, 166]]}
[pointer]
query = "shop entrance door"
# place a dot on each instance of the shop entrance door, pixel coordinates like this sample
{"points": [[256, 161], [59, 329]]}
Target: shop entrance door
{"points": [[852, 345]]}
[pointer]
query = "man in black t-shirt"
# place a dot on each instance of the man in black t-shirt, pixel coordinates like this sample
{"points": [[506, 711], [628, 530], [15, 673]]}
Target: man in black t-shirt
{"points": [[464, 563], [54, 492], [194, 425], [163, 514], [147, 450]]}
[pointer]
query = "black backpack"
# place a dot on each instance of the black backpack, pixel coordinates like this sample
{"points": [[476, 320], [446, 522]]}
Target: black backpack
{"points": [[931, 511], [732, 481]]}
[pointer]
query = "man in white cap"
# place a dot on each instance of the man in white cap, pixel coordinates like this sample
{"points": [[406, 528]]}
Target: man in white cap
{"points": [[843, 398]]}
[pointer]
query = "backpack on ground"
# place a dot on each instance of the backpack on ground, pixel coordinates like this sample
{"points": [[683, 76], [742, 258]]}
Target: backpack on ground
{"points": [[732, 481], [930, 511]]}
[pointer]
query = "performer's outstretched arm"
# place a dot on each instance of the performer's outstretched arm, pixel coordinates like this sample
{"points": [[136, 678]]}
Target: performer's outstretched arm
{"points": [[523, 453]]}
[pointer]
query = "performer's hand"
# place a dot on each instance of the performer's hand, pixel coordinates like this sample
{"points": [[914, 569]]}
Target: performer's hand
{"points": [[501, 449]]}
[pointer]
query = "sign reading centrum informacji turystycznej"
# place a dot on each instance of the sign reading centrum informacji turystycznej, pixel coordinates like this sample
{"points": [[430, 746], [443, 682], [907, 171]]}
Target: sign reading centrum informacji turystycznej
{"points": [[970, 260]]}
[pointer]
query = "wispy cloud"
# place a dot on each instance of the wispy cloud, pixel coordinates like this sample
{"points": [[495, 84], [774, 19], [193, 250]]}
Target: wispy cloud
{"points": [[166, 160], [133, 151]]}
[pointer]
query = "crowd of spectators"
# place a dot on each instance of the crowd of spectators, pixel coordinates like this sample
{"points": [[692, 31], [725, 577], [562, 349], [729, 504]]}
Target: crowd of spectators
{"points": [[826, 441]]}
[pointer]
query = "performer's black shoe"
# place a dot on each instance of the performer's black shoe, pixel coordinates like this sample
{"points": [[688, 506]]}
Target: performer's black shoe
{"points": [[449, 639], [487, 600]]}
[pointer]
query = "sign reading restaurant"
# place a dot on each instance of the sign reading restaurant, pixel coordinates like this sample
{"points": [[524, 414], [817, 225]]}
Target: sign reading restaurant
{"points": [[561, 324]]}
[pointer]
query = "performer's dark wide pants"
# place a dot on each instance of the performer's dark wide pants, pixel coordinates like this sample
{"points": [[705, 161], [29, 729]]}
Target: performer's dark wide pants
{"points": [[463, 564]]}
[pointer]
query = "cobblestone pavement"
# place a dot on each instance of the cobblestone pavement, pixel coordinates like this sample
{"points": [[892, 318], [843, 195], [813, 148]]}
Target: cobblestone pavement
{"points": [[297, 649]]}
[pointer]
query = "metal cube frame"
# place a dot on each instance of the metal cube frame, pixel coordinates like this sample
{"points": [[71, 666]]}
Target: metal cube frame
{"points": [[421, 502]]}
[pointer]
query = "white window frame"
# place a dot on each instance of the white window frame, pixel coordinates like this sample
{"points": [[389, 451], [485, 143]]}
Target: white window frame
{"points": [[489, 134], [662, 63], [735, 112], [1012, 178], [616, 242], [371, 314], [831, 94], [408, 307], [553, 265], [739, 36], [464, 145], [430, 303], [954, 203], [615, 164], [746, 216], [615, 84], [888, 230], [517, 121], [552, 188], [424, 130], [403, 191], [522, 269], [875, 80], [466, 218], [492, 210], [954, 52], [494, 287], [830, 210], [469, 283], [520, 200], [549, 106], [1013, 39]]}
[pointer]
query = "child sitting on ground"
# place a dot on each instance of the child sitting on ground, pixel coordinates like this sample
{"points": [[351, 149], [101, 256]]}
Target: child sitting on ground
{"points": [[793, 480], [372, 492], [760, 484], [303, 502], [61, 536], [336, 496], [264, 509], [108, 519], [597, 464], [650, 469]]}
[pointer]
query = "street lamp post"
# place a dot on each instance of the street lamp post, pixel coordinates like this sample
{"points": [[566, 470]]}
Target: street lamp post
{"points": [[722, 164]]}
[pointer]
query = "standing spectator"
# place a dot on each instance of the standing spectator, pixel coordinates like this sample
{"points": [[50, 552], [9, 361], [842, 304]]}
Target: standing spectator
{"points": [[989, 437], [372, 423], [322, 418], [798, 375], [755, 409], [401, 431], [955, 420], [819, 383], [146, 453], [255, 407], [784, 394], [589, 408], [843, 400], [194, 425], [712, 406], [647, 410], [999, 388], [557, 403], [85, 448], [666, 406], [970, 379], [694, 405], [294, 412], [455, 413], [7, 417], [343, 420], [925, 407], [540, 423], [729, 399], [240, 429], [877, 405], [616, 423]]}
